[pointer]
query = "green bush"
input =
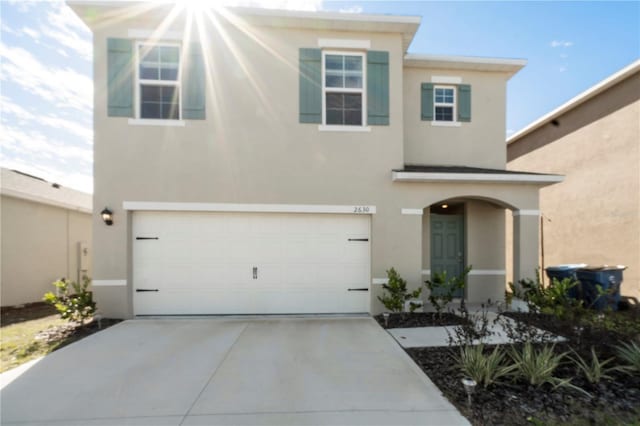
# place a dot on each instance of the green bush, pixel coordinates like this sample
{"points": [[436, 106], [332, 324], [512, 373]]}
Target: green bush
{"points": [[629, 353], [442, 289], [485, 369], [552, 299], [396, 294], [77, 306]]}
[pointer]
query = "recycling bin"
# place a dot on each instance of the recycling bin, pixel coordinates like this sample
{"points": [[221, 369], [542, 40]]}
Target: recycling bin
{"points": [[607, 277], [561, 272]]}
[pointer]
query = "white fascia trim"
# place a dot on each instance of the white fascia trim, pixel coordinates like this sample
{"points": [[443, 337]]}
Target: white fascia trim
{"points": [[109, 283], [154, 35], [417, 212], [526, 212], [577, 100], [150, 122], [474, 177], [43, 200], [487, 272], [446, 123], [339, 43], [445, 79], [248, 208], [379, 281], [331, 128]]}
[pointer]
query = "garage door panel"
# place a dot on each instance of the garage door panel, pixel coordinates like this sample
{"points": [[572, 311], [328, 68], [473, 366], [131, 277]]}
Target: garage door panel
{"points": [[202, 263]]}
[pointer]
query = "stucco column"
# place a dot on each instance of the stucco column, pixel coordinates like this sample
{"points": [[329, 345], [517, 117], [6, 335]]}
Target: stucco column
{"points": [[397, 243], [526, 243]]}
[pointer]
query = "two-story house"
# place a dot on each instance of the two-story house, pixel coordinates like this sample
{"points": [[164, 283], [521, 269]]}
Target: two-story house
{"points": [[261, 161]]}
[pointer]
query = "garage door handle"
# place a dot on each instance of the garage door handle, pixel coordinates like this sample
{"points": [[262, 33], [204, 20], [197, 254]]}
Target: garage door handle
{"points": [[358, 289], [146, 238], [141, 290], [358, 239]]}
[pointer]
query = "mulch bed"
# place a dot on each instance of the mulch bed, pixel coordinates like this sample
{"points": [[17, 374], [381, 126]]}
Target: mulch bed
{"points": [[419, 319], [72, 332], [611, 402], [510, 403]]}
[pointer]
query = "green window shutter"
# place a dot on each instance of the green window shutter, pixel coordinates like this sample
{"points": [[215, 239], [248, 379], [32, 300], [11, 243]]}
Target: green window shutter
{"points": [[120, 77], [378, 88], [426, 101], [310, 86], [193, 84], [464, 102]]}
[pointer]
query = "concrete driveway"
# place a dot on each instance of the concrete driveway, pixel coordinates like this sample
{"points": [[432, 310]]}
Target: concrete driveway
{"points": [[210, 371]]}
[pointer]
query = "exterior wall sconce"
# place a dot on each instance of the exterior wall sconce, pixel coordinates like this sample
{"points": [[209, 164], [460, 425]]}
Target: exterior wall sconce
{"points": [[107, 216]]}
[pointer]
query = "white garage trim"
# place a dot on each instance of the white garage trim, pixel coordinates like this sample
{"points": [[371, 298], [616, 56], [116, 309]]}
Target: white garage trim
{"points": [[248, 208], [109, 283]]}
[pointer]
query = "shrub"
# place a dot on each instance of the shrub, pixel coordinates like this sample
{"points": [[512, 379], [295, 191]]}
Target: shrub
{"points": [[442, 289], [475, 327], [485, 369], [396, 294], [594, 371], [552, 299], [629, 353], [76, 307]]}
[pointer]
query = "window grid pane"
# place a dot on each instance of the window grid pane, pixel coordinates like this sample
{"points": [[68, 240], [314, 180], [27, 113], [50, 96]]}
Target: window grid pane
{"points": [[343, 71], [344, 109], [444, 113], [159, 102], [159, 63]]}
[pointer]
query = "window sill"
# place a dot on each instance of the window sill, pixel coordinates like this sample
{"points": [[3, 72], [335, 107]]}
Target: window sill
{"points": [[332, 128], [152, 122], [446, 123]]}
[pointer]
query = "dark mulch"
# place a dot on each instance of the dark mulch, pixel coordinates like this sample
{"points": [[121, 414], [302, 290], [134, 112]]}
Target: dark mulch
{"points": [[71, 332], [30, 311], [510, 403], [419, 319], [613, 401]]}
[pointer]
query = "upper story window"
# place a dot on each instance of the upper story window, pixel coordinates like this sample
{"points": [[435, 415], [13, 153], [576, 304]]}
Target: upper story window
{"points": [[158, 81], [444, 103], [343, 88]]}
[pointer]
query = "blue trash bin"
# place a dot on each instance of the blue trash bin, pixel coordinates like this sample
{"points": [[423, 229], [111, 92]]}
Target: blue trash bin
{"points": [[609, 278], [561, 272]]}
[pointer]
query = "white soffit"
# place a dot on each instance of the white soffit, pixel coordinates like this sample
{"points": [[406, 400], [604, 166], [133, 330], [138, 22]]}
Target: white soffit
{"points": [[475, 177], [470, 63]]}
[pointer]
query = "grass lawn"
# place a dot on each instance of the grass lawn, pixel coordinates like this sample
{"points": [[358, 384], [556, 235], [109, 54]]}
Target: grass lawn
{"points": [[18, 343], [35, 330]]}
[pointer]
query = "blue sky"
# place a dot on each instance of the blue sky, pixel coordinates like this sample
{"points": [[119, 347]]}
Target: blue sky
{"points": [[46, 71]]}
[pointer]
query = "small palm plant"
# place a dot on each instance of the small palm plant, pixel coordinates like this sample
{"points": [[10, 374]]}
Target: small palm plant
{"points": [[594, 370], [538, 367], [629, 353], [484, 369]]}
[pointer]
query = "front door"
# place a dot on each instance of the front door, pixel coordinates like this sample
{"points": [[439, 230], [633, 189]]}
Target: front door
{"points": [[447, 245]]}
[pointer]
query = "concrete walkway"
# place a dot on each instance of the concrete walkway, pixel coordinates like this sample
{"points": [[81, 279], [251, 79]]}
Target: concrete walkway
{"points": [[418, 337], [277, 371]]}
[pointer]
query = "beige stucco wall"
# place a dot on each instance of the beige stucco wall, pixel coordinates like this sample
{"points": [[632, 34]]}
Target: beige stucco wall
{"points": [[594, 215], [39, 245], [252, 149], [478, 143]]}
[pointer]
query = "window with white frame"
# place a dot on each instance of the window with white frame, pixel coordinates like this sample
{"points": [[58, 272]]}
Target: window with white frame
{"points": [[343, 89], [158, 85], [444, 103]]}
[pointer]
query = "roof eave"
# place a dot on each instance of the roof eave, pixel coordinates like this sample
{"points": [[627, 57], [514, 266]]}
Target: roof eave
{"points": [[472, 63], [508, 178], [583, 97]]}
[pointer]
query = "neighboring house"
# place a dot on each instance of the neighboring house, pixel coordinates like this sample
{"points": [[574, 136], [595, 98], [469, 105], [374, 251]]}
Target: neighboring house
{"points": [[594, 139], [262, 161], [46, 235]]}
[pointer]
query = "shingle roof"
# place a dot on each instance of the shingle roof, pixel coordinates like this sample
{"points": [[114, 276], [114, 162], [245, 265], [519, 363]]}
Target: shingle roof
{"points": [[27, 187], [418, 168]]}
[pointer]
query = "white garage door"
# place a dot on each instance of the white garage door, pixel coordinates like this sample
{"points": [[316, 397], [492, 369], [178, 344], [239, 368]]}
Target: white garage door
{"points": [[250, 263]]}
